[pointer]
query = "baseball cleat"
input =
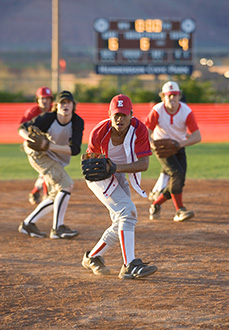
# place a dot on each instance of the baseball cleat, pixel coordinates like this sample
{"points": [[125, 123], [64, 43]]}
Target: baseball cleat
{"points": [[96, 264], [154, 211], [136, 269], [63, 232], [182, 214], [34, 198], [31, 230]]}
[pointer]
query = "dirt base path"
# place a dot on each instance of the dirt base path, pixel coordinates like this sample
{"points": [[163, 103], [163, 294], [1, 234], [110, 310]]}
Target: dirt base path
{"points": [[44, 286]]}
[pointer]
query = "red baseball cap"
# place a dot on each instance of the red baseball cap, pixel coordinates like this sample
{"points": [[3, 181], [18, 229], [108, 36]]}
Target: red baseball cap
{"points": [[44, 91], [171, 87], [120, 104]]}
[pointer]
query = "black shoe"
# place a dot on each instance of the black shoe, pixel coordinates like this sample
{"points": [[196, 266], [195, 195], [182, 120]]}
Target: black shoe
{"points": [[182, 214], [96, 264], [63, 232], [31, 230], [35, 198], [154, 211], [136, 269]]}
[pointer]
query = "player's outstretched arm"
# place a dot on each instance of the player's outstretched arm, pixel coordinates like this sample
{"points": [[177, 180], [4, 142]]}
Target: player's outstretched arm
{"points": [[193, 138], [61, 149], [140, 165]]}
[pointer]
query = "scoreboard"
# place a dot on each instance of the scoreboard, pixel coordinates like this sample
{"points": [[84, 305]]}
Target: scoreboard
{"points": [[144, 46]]}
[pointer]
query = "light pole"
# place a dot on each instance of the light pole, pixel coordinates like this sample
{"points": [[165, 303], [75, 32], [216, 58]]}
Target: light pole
{"points": [[55, 46]]}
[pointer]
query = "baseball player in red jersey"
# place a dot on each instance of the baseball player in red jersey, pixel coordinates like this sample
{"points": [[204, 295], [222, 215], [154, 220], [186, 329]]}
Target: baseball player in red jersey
{"points": [[43, 104], [124, 139], [171, 119]]}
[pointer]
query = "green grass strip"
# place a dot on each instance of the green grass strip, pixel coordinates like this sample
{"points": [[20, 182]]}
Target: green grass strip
{"points": [[205, 161]]}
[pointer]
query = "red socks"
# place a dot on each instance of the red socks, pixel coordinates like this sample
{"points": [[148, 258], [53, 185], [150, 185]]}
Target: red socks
{"points": [[160, 200], [177, 201]]}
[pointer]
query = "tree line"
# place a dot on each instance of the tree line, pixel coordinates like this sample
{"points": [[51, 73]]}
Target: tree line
{"points": [[193, 91]]}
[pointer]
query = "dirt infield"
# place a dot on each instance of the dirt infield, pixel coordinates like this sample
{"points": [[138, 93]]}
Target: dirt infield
{"points": [[44, 286]]}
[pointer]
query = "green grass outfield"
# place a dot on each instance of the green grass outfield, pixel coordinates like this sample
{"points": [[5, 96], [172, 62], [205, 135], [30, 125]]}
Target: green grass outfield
{"points": [[205, 161]]}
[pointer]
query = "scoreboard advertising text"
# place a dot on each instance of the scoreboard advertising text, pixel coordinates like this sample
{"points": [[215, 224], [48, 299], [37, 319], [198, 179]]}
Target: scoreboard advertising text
{"points": [[144, 46]]}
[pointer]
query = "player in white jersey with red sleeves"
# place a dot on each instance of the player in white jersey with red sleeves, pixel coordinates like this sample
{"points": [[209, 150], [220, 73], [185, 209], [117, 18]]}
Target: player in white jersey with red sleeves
{"points": [[171, 119], [123, 139]]}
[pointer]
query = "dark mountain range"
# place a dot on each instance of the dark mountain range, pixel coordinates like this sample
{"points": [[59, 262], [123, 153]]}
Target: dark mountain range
{"points": [[25, 25]]}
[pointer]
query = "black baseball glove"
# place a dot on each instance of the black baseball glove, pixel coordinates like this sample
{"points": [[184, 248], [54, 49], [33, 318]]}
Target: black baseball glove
{"points": [[165, 148], [96, 167], [37, 140]]}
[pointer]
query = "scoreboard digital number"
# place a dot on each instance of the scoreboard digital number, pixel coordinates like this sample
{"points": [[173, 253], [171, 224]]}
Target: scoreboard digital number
{"points": [[144, 46]]}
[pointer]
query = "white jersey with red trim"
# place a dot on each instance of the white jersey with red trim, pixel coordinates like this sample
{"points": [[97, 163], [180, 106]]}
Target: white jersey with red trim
{"points": [[135, 145], [174, 126]]}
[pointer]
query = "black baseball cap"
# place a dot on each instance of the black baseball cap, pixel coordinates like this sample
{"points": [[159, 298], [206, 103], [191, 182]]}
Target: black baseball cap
{"points": [[64, 95]]}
